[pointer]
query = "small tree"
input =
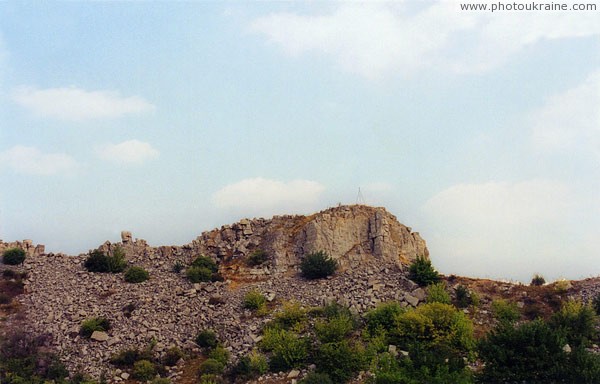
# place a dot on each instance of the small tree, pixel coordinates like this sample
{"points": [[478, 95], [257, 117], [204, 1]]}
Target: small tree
{"points": [[136, 275], [13, 256], [422, 272], [318, 265], [538, 280]]}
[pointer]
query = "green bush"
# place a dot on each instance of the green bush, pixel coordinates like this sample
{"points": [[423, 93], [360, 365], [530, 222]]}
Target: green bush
{"points": [[160, 380], [144, 370], [316, 378], [211, 367], [290, 352], [318, 265], [251, 366], [254, 300], [531, 352], [596, 303], [205, 262], [211, 378], [576, 321], [334, 329], [199, 274], [220, 354], [97, 261], [128, 357], [136, 275], [291, 316], [422, 272], [94, 324], [13, 256], [463, 297], [505, 311], [341, 361], [172, 356], [207, 339], [436, 293], [178, 267], [538, 280], [256, 258], [382, 317]]}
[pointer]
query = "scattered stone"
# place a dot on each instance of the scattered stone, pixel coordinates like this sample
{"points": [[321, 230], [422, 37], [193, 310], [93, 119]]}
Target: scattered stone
{"points": [[99, 336]]}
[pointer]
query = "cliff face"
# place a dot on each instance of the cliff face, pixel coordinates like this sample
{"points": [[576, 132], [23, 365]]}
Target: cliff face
{"points": [[350, 234]]}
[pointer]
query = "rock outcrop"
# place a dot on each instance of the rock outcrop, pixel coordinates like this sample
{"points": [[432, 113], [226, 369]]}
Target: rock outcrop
{"points": [[26, 245]]}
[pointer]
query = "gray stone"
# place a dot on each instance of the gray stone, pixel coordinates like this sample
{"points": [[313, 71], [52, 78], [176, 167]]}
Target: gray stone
{"points": [[99, 336]]}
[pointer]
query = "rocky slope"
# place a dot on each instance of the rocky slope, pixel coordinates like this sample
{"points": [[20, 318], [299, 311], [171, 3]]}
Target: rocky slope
{"points": [[371, 246]]}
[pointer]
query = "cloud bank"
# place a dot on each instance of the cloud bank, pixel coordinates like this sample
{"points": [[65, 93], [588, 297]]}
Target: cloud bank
{"points": [[128, 152], [74, 104], [30, 160], [381, 38], [266, 197]]}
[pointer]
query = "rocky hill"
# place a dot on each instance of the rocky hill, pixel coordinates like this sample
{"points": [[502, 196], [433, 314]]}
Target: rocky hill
{"points": [[370, 245]]}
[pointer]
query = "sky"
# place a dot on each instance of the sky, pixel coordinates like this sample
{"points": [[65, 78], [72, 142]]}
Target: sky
{"points": [[478, 129]]}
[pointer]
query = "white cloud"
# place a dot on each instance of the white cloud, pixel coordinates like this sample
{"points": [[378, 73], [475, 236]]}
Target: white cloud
{"points": [[382, 38], [502, 229], [29, 160], [74, 104], [128, 152], [265, 197], [570, 120]]}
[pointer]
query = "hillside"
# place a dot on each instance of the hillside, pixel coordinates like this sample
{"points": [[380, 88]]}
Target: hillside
{"points": [[372, 249]]}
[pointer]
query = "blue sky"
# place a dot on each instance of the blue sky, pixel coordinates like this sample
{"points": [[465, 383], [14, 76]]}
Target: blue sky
{"points": [[479, 130]]}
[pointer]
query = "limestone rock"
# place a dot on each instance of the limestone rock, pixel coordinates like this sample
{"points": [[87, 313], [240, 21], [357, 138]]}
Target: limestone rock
{"points": [[99, 336]]}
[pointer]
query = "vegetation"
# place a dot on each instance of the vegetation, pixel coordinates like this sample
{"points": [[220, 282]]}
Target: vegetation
{"points": [[211, 367], [207, 339], [93, 324], [98, 261], [538, 280], [257, 258], [205, 262], [255, 301], [199, 274], [318, 265], [505, 311], [464, 297], [422, 272], [136, 275], [172, 356], [13, 256], [436, 293], [144, 370]]}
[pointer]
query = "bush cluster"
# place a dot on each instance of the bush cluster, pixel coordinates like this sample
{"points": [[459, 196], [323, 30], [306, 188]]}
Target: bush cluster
{"points": [[136, 275], [318, 265], [93, 324], [436, 293], [255, 300], [98, 261], [13, 256], [202, 270], [505, 311], [422, 272], [537, 280], [257, 258], [207, 339]]}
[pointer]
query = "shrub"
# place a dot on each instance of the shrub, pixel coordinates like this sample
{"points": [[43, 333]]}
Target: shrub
{"points": [[254, 300], [211, 367], [94, 324], [436, 293], [291, 316], [172, 356], [289, 352], [211, 378], [596, 303], [339, 360], [538, 280], [531, 352], [207, 339], [199, 274], [178, 267], [562, 286], [318, 265], [220, 354], [144, 370], [256, 258], [335, 309], [13, 256], [437, 325], [382, 317], [97, 261], [128, 357], [160, 380], [463, 297], [316, 378], [334, 329], [205, 262], [136, 275], [505, 311], [422, 272], [251, 366], [4, 298], [576, 322]]}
